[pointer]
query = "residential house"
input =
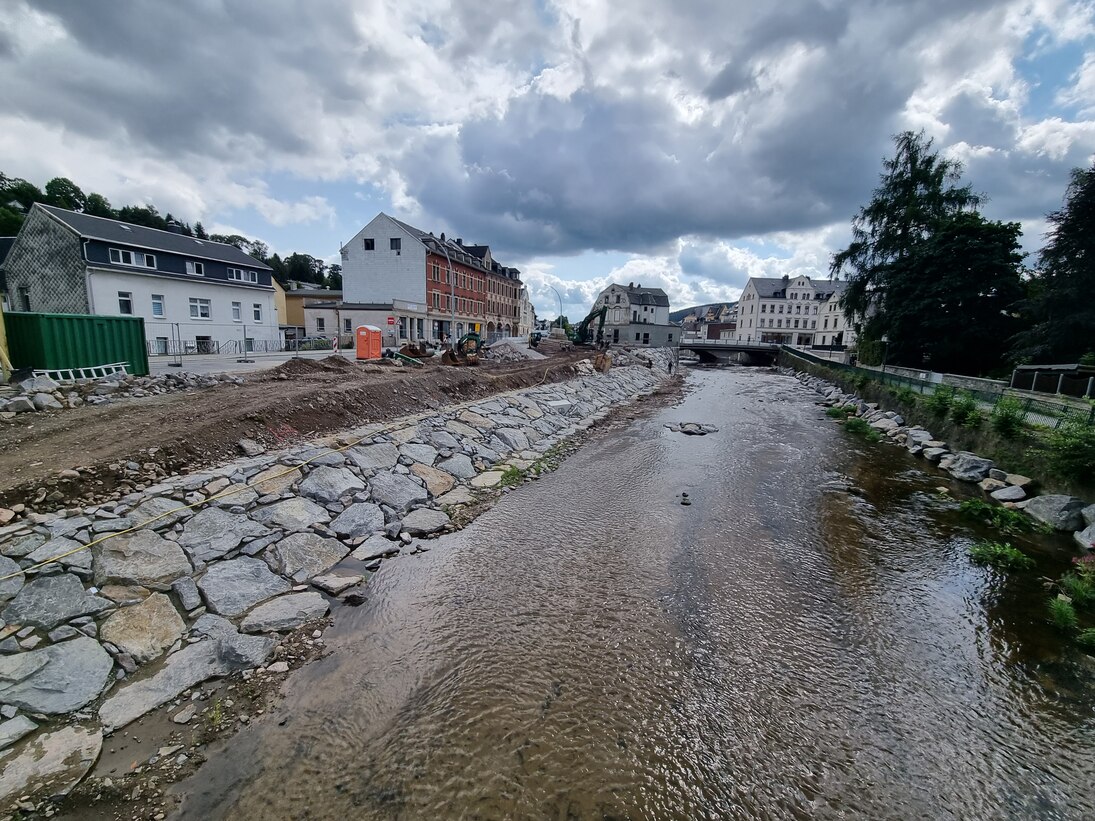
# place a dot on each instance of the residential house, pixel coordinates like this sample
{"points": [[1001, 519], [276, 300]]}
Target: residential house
{"points": [[194, 295], [637, 316], [424, 286], [300, 295], [793, 311]]}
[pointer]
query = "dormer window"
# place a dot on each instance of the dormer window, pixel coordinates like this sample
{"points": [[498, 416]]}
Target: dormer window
{"points": [[240, 275], [136, 259], [196, 269]]}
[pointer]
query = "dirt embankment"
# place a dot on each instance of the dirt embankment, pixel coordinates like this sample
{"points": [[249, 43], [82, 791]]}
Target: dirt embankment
{"points": [[88, 454]]}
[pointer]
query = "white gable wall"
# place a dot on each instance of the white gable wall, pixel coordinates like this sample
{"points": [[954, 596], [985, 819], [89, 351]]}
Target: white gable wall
{"points": [[383, 275]]}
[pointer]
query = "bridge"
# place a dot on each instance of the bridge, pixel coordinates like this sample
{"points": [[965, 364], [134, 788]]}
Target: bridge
{"points": [[729, 350]]}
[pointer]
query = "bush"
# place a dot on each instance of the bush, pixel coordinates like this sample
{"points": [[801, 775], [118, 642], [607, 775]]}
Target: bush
{"points": [[1003, 519], [1003, 556], [838, 413], [859, 427], [939, 401], [1007, 417], [1072, 450], [861, 380], [1062, 614], [1088, 358], [906, 395], [1079, 587], [964, 410], [1086, 638]]}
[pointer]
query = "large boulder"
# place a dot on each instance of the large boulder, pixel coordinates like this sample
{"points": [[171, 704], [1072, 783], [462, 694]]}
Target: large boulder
{"points": [[143, 558], [513, 438], [291, 514], [57, 679], [1059, 512], [275, 480], [362, 519], [1009, 493], [303, 555], [1085, 538], [328, 484], [160, 512], [368, 458], [51, 600], [232, 588], [144, 630], [397, 491], [421, 454], [285, 613], [39, 384], [51, 764], [969, 467], [437, 481], [424, 521], [45, 401], [215, 532], [459, 466]]}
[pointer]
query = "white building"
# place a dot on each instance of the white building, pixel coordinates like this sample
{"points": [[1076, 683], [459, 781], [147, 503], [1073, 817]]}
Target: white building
{"points": [[637, 316], [195, 296], [794, 311]]}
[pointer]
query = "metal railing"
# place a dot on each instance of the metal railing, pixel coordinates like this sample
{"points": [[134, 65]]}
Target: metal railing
{"points": [[1040, 411]]}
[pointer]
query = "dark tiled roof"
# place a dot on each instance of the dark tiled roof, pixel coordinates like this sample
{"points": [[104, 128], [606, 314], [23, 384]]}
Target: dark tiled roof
{"points": [[478, 252], [314, 293], [154, 239], [648, 296], [5, 246], [772, 287]]}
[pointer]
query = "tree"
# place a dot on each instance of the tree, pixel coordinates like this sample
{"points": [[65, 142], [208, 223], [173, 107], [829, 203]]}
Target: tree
{"points": [[10, 221], [333, 280], [1059, 304], [199, 231], [259, 250], [925, 269], [232, 239], [281, 273], [20, 192], [146, 215], [64, 193], [98, 206], [305, 268]]}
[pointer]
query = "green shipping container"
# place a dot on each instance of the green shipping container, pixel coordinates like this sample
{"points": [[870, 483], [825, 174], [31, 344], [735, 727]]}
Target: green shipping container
{"points": [[62, 341]]}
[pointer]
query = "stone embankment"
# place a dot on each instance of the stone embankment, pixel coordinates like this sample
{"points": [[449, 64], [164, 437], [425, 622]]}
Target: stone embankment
{"points": [[1066, 514], [40, 393], [112, 610]]}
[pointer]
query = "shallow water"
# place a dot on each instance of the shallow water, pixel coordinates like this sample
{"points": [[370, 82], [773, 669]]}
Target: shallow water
{"points": [[782, 648]]}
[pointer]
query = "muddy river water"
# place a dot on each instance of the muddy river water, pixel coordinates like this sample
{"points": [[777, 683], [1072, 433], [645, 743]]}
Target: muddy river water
{"points": [[806, 640]]}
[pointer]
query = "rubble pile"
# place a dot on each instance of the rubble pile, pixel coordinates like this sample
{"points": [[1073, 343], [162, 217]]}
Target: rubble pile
{"points": [[110, 611], [511, 350], [40, 393]]}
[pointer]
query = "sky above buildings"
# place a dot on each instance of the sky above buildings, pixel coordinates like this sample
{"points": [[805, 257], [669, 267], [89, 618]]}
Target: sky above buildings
{"points": [[686, 145]]}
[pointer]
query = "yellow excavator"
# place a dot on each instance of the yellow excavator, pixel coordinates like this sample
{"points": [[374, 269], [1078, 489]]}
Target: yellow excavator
{"points": [[465, 352]]}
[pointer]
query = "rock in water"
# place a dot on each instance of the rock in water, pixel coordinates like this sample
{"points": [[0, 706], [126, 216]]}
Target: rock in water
{"points": [[285, 613], [362, 519], [968, 467], [1059, 512], [303, 555], [424, 521], [51, 764], [397, 491]]}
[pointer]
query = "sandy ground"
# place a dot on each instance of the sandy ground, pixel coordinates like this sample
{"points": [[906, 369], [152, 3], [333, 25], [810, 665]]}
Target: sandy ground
{"points": [[178, 433]]}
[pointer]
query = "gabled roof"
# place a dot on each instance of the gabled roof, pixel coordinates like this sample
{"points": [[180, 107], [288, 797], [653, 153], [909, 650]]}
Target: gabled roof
{"points": [[457, 250], [772, 287], [140, 236], [5, 246]]}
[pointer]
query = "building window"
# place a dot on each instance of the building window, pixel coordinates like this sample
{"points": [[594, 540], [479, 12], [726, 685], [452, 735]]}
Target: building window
{"points": [[196, 269], [237, 311], [671, 337], [120, 257], [200, 308], [149, 260], [347, 326], [321, 325], [239, 275], [157, 305], [24, 298], [636, 336], [370, 244], [436, 299], [646, 339], [395, 243], [256, 310], [125, 302]]}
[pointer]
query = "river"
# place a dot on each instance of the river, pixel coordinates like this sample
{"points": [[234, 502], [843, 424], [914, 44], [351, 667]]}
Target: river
{"points": [[807, 639]]}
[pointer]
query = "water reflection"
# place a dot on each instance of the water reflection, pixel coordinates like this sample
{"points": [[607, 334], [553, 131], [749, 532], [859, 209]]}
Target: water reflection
{"points": [[807, 640]]}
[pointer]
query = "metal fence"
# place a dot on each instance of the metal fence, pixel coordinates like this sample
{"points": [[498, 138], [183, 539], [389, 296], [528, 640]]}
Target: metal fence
{"points": [[1035, 411], [235, 347]]}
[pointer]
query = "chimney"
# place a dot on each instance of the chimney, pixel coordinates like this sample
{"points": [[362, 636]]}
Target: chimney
{"points": [[175, 228], [459, 240], [442, 236], [630, 286]]}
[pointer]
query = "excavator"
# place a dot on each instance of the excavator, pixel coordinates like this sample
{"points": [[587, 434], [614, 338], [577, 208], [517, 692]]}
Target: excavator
{"points": [[583, 333], [465, 351]]}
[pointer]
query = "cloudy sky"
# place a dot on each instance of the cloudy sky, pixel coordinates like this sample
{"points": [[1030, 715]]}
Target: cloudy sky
{"points": [[688, 145]]}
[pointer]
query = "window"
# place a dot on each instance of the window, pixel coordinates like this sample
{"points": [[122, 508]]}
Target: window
{"points": [[321, 325], [370, 244], [200, 308], [636, 336], [671, 337], [347, 326], [149, 260], [617, 301], [256, 311], [125, 302], [237, 312], [436, 299], [119, 257], [24, 298], [196, 269], [634, 316], [240, 275], [395, 243], [646, 339], [157, 305]]}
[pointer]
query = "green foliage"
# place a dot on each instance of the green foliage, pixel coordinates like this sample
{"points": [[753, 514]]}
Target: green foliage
{"points": [[512, 476], [64, 193], [1062, 614], [1007, 417], [906, 395], [964, 411], [1071, 450], [1088, 358], [926, 269], [838, 413], [1003, 519], [939, 401], [1080, 587], [1059, 306], [860, 381], [1086, 638], [859, 427], [216, 715], [1000, 555]]}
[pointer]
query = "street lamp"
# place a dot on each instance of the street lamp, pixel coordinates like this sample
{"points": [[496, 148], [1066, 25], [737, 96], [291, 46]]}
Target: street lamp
{"points": [[885, 351], [452, 291], [560, 298]]}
